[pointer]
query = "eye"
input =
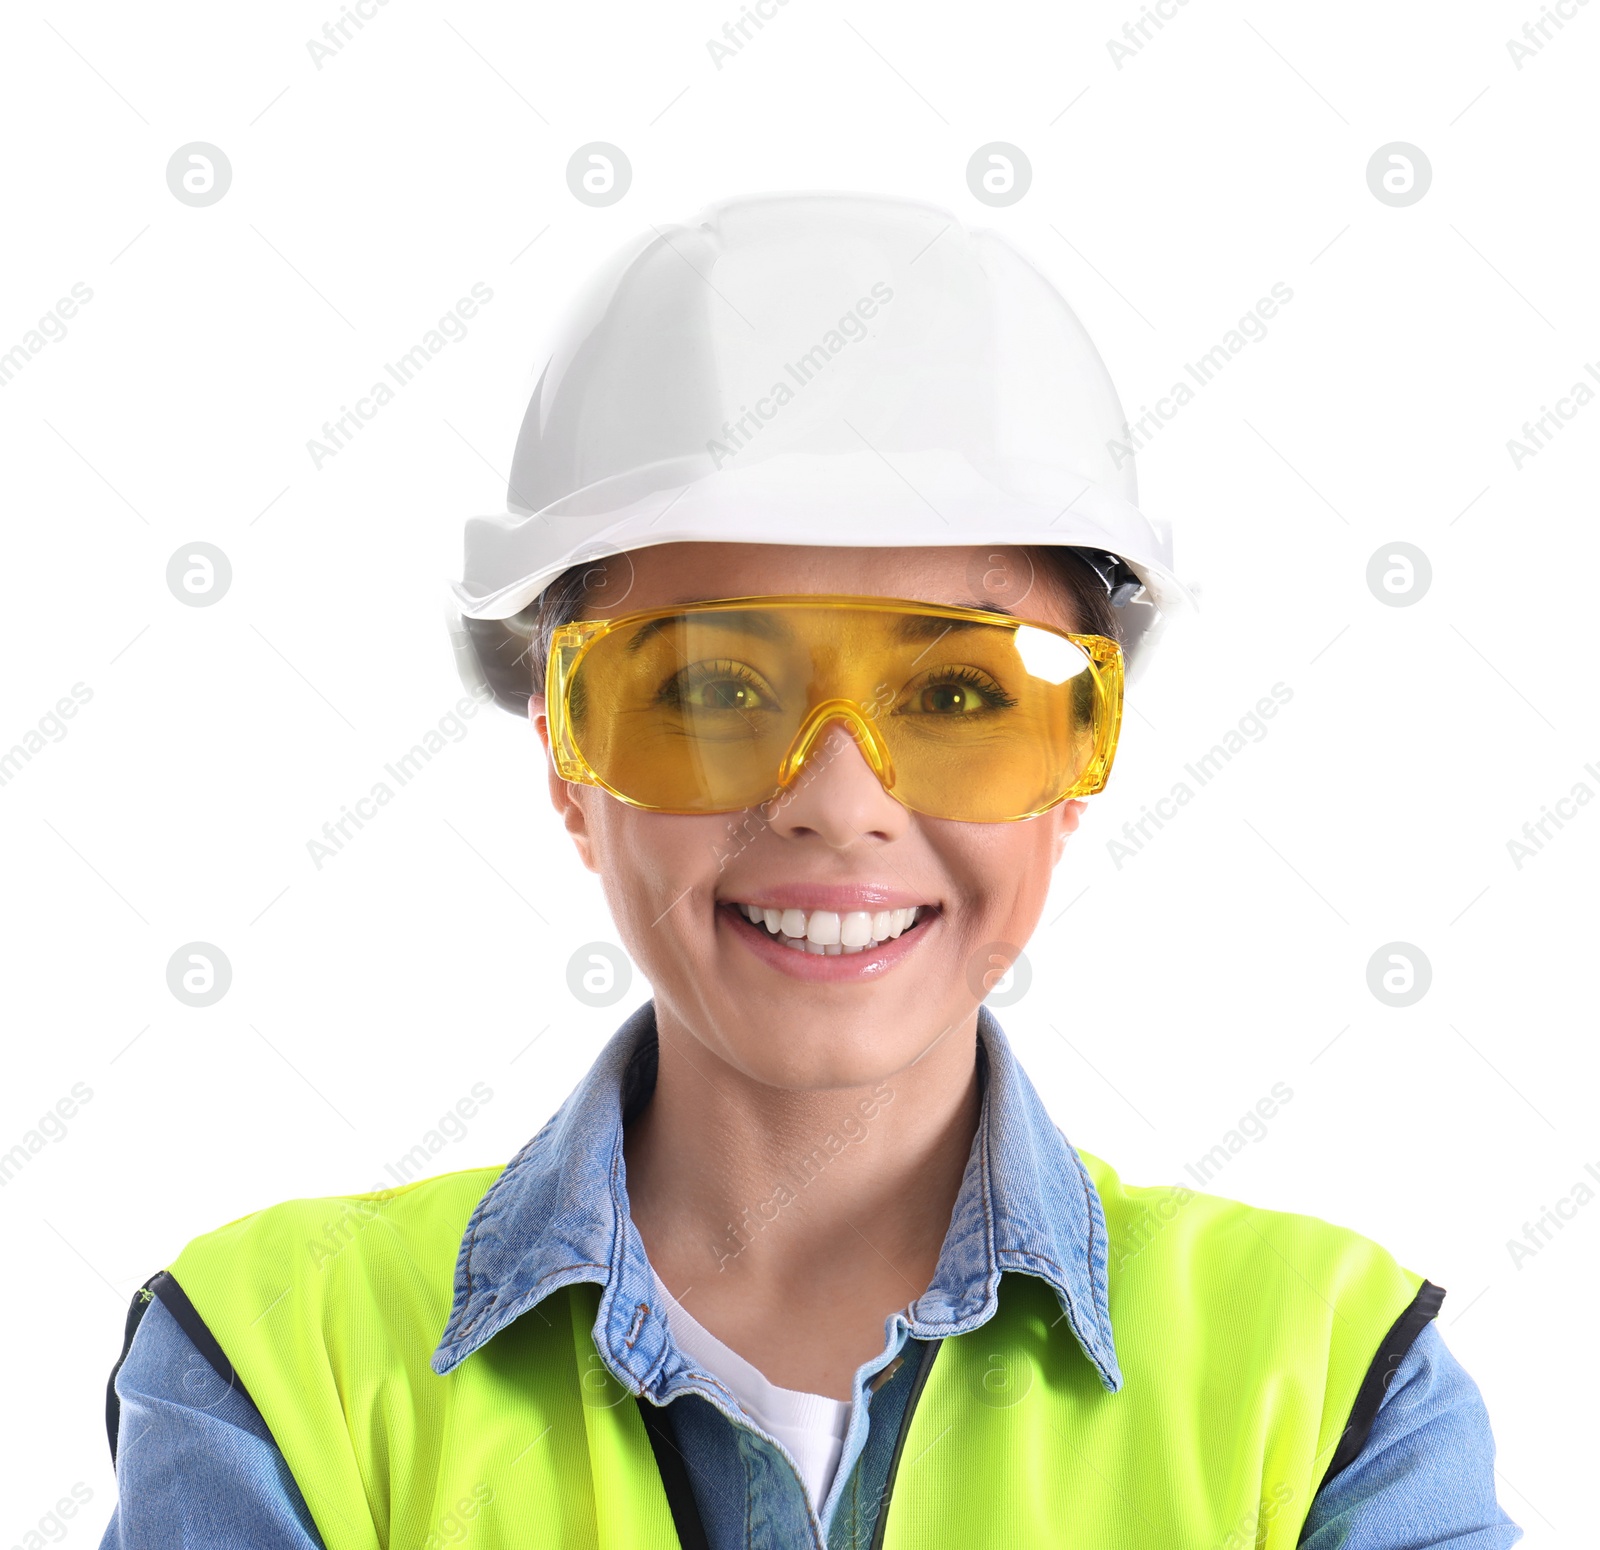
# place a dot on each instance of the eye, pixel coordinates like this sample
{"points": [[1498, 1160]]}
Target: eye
{"points": [[724, 685], [954, 693]]}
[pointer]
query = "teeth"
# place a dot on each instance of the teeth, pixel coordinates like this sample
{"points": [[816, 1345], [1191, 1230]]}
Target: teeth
{"points": [[827, 933]]}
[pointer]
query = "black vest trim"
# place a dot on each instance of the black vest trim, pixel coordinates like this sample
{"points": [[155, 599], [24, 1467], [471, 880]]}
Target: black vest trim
{"points": [[176, 1301], [930, 1349], [1402, 1334], [136, 1312], [674, 1477]]}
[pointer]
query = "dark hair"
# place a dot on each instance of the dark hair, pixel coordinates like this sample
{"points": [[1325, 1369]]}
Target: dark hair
{"points": [[521, 644]]}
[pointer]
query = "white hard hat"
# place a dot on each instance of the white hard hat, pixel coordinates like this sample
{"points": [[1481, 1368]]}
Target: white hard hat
{"points": [[838, 369]]}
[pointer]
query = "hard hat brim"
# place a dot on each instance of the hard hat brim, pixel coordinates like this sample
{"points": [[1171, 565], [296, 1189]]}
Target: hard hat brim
{"points": [[846, 500]]}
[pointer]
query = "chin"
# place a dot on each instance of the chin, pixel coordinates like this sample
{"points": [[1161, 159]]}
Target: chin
{"points": [[793, 1052]]}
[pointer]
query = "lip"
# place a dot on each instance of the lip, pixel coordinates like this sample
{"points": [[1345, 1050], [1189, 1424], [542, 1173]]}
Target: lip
{"points": [[842, 898], [843, 968]]}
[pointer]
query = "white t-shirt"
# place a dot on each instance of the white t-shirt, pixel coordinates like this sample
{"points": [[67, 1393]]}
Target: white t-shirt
{"points": [[811, 1426]]}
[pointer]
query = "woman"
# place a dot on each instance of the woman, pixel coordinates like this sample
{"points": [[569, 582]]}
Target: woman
{"points": [[820, 573]]}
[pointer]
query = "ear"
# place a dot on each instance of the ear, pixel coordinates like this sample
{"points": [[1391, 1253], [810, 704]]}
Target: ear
{"points": [[564, 795], [1070, 812]]}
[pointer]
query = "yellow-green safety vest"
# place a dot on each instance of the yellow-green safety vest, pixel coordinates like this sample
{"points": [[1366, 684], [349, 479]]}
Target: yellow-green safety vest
{"points": [[1252, 1344]]}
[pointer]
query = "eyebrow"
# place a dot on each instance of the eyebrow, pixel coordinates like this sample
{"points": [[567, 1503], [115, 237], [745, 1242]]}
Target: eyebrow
{"points": [[922, 627], [746, 621], [754, 621]]}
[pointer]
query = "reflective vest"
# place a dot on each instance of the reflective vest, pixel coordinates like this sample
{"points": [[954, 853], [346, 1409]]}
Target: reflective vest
{"points": [[1254, 1346]]}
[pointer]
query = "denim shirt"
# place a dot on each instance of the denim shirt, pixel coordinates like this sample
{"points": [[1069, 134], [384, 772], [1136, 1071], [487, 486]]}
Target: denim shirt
{"points": [[196, 1464]]}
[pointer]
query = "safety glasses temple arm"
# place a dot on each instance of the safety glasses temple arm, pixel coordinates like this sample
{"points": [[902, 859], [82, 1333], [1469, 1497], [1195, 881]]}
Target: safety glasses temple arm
{"points": [[567, 645], [1109, 685]]}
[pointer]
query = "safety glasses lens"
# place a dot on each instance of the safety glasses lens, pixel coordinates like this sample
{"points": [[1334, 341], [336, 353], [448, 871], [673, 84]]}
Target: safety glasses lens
{"points": [[697, 711]]}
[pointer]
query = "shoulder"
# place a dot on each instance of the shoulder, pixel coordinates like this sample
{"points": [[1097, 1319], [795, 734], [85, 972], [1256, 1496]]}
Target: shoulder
{"points": [[1307, 1295], [1232, 1241], [294, 1275], [307, 1235]]}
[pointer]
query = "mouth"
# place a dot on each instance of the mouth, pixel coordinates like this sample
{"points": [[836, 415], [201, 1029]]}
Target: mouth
{"points": [[830, 947], [832, 933]]}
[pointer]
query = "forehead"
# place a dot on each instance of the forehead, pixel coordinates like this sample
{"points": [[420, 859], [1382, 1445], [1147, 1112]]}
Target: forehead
{"points": [[994, 576]]}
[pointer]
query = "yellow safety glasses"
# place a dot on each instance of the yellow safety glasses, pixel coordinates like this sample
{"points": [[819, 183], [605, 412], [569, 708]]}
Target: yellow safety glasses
{"points": [[713, 707]]}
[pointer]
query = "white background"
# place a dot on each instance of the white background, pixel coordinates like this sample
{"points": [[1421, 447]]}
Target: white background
{"points": [[1169, 993]]}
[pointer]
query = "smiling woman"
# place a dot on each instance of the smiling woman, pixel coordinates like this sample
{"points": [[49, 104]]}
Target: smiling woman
{"points": [[865, 851], [804, 1260]]}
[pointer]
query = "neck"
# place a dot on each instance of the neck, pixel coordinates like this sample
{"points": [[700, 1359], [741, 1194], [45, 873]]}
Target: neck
{"points": [[739, 1189]]}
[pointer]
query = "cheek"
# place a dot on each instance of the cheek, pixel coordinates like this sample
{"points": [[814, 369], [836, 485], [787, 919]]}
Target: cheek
{"points": [[1025, 871], [659, 871], [1006, 871]]}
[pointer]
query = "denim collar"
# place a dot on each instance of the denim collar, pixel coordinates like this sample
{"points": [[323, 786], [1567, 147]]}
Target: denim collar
{"points": [[558, 1214]]}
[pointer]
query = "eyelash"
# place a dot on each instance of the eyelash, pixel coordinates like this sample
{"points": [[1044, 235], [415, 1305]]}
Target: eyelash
{"points": [[993, 695], [672, 691]]}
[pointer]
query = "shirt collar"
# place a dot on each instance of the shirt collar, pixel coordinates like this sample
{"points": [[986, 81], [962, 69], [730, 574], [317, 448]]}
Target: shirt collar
{"points": [[558, 1214]]}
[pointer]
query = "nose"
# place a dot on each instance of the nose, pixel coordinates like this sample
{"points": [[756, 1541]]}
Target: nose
{"points": [[836, 790]]}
